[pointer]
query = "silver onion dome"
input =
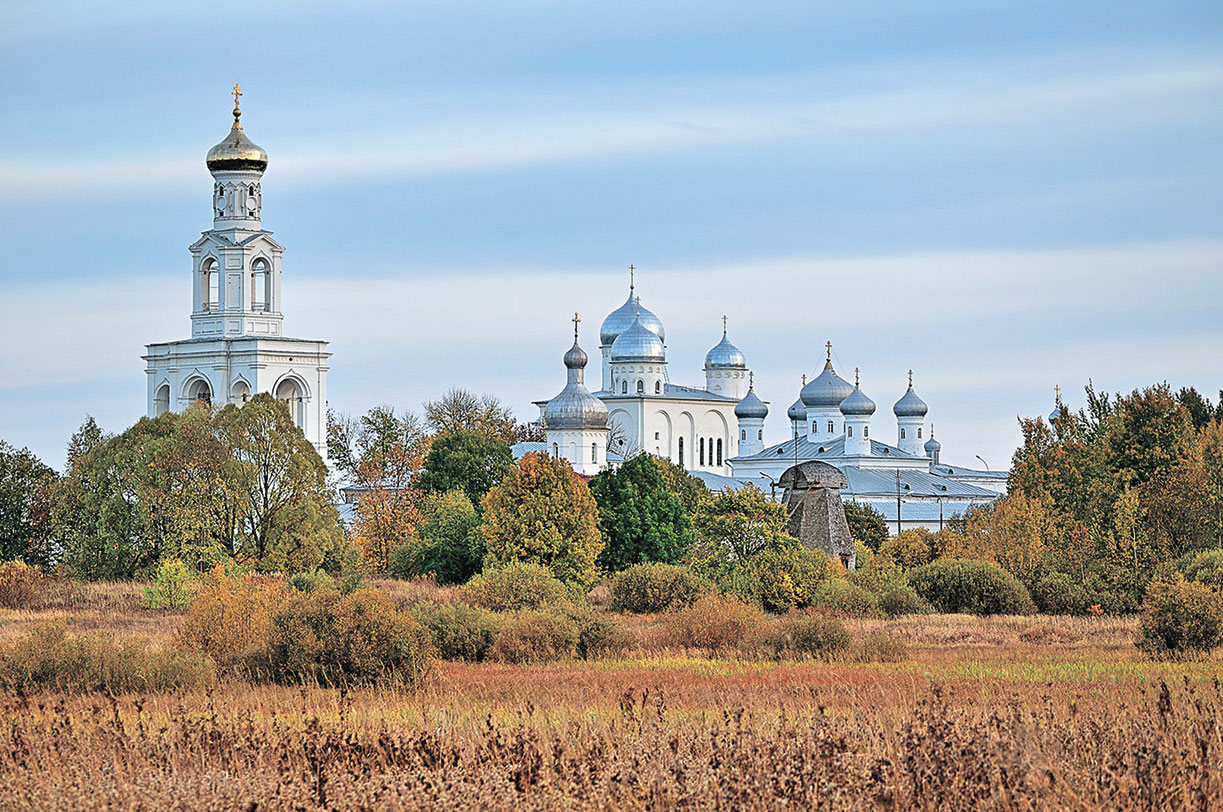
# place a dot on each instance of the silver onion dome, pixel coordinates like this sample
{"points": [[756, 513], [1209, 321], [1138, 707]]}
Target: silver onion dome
{"points": [[751, 406], [932, 445], [857, 403], [725, 355], [638, 343], [910, 405], [575, 407], [827, 390], [622, 318], [797, 411]]}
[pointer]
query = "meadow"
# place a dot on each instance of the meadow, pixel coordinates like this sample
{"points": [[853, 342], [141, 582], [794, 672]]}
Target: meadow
{"points": [[998, 713]]}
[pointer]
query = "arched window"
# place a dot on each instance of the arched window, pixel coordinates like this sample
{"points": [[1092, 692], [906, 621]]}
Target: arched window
{"points": [[719, 451], [261, 286], [640, 387], [902, 434], [815, 427], [292, 396], [658, 387], [681, 452], [866, 431], [210, 283], [919, 432], [594, 452], [702, 451], [239, 393], [161, 401], [849, 431], [556, 451], [831, 427], [760, 434], [200, 390], [624, 387]]}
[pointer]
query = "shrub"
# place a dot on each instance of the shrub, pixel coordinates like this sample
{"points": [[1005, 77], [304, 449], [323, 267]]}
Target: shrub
{"points": [[878, 574], [536, 636], [978, 587], [910, 549], [447, 543], [791, 576], [879, 647], [1057, 594], [598, 633], [47, 659], [714, 623], [312, 581], [230, 619], [807, 635], [1207, 568], [902, 599], [1180, 619], [335, 639], [173, 587], [656, 588], [842, 596], [459, 631], [516, 586], [21, 586]]}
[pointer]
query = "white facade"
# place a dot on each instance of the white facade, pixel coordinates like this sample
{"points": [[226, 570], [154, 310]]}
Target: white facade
{"points": [[236, 347]]}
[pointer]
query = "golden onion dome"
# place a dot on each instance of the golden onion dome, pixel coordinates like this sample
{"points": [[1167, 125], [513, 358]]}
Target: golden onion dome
{"points": [[236, 152]]}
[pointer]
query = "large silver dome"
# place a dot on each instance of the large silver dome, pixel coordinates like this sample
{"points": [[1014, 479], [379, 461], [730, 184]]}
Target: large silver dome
{"points": [[910, 405], [638, 343], [575, 407], [827, 391], [622, 318], [725, 355], [751, 406]]}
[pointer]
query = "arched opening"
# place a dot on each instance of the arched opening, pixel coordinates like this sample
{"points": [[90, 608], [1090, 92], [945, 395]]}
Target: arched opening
{"points": [[866, 432], [831, 427], [681, 452], [815, 427], [261, 286], [849, 431], [199, 390], [902, 434], [640, 387], [742, 435], [556, 451], [594, 452], [760, 434], [624, 387], [719, 451], [292, 396], [658, 387], [210, 285], [161, 401], [919, 432], [702, 446], [239, 393]]}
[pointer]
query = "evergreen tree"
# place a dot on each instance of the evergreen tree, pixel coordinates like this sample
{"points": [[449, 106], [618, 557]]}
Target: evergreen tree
{"points": [[470, 462], [640, 518]]}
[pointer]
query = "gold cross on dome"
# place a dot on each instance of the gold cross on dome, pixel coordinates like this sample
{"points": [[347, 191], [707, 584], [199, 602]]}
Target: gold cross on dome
{"points": [[751, 380], [236, 93], [856, 384], [828, 347], [910, 379], [804, 379], [575, 325]]}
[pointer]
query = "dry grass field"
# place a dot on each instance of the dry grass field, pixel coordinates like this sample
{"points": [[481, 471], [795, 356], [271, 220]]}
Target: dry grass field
{"points": [[1003, 713]]}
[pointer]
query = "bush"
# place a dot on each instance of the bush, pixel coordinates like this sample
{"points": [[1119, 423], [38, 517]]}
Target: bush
{"points": [[714, 623], [459, 631], [902, 599], [879, 647], [910, 549], [447, 543], [656, 588], [978, 587], [1057, 594], [173, 587], [536, 636], [516, 586], [598, 633], [807, 635], [230, 619], [21, 586], [1207, 568], [1180, 619], [842, 596], [312, 581], [47, 659], [792, 576], [332, 639]]}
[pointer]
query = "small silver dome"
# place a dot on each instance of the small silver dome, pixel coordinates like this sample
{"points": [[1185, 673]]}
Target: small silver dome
{"points": [[797, 411], [751, 407], [932, 445], [857, 403], [725, 355], [638, 343], [910, 405], [575, 407], [622, 318], [827, 391]]}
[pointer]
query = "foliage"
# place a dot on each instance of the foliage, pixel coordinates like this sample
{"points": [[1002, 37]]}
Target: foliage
{"points": [[26, 485], [230, 619], [840, 595], [327, 638], [516, 586], [459, 411], [807, 635], [387, 509], [173, 586], [714, 623], [910, 548], [733, 525], [1180, 619], [470, 462], [789, 575], [1015, 532], [690, 490], [543, 513], [866, 524], [535, 636], [353, 442], [312, 581], [880, 647], [21, 586], [978, 587], [598, 632], [901, 599], [655, 588], [48, 659], [1058, 594], [447, 543], [459, 631], [1207, 568], [640, 518]]}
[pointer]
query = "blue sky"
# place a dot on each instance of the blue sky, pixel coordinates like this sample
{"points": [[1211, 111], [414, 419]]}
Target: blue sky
{"points": [[1001, 196]]}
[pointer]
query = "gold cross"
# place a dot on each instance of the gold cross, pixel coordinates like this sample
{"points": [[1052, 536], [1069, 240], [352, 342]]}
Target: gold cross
{"points": [[237, 92], [828, 346], [804, 379], [751, 380], [575, 325], [855, 378], [910, 379], [1057, 393]]}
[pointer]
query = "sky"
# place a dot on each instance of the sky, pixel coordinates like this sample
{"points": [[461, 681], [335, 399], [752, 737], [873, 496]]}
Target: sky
{"points": [[1001, 196]]}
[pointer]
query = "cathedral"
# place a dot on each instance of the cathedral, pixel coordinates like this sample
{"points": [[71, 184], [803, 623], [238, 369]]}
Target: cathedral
{"points": [[237, 346], [716, 431]]}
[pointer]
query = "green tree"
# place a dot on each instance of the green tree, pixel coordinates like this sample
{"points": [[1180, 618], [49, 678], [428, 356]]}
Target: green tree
{"points": [[737, 524], [470, 462], [690, 490], [447, 543], [25, 506], [866, 524], [640, 518], [543, 513]]}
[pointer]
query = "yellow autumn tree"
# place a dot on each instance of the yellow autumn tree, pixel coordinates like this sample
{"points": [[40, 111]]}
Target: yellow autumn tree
{"points": [[387, 511]]}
